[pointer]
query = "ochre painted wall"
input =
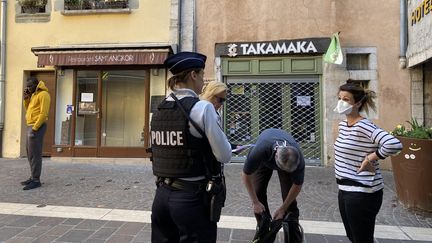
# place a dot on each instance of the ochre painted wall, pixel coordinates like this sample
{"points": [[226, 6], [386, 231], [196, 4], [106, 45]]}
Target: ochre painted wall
{"points": [[367, 23], [149, 22]]}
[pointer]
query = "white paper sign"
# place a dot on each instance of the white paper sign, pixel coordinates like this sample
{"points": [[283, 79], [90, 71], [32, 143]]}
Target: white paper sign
{"points": [[86, 97], [303, 101]]}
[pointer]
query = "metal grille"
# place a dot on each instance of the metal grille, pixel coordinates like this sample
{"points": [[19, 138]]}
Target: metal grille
{"points": [[293, 105]]}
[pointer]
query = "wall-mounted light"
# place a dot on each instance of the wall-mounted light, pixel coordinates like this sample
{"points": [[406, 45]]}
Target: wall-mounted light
{"points": [[60, 72], [155, 72]]}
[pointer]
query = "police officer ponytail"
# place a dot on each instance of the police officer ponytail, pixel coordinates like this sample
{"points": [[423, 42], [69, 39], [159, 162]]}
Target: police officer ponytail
{"points": [[179, 78]]}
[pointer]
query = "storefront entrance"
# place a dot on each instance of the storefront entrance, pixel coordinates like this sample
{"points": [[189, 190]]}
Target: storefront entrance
{"points": [[48, 77], [102, 113], [289, 103], [103, 97]]}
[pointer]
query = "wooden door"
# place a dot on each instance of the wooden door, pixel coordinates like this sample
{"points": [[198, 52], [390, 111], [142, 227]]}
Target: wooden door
{"points": [[49, 80]]}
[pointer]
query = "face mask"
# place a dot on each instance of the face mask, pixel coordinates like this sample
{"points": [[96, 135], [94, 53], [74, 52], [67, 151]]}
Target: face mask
{"points": [[343, 107]]}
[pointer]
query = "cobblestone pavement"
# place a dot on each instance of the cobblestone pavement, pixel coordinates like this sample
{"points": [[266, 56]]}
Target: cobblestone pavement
{"points": [[102, 185], [20, 229]]}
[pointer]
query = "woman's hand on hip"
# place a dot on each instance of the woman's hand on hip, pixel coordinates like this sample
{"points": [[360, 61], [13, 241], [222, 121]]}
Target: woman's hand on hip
{"points": [[366, 165]]}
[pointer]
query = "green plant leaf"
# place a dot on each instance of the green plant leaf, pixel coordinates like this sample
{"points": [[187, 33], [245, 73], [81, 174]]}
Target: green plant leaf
{"points": [[416, 130]]}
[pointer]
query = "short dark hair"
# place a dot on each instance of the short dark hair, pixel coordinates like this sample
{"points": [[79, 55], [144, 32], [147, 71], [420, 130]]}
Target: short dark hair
{"points": [[32, 80]]}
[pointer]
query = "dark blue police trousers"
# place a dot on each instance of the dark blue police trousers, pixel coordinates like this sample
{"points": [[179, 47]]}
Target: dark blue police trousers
{"points": [[181, 216]]}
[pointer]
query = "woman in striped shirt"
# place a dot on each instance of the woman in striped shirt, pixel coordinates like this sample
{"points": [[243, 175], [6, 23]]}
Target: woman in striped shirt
{"points": [[358, 147]]}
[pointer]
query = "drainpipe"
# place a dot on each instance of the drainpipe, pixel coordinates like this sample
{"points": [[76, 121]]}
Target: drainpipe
{"points": [[180, 21], [403, 34], [194, 24], [2, 71]]}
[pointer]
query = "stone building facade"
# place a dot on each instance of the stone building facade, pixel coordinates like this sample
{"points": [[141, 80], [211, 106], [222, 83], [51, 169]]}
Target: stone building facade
{"points": [[294, 89]]}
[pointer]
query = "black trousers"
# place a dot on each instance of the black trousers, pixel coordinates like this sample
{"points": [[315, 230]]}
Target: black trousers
{"points": [[181, 216], [261, 179], [358, 211], [34, 150]]}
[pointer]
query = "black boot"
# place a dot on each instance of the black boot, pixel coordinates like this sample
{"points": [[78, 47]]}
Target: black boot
{"points": [[26, 182], [32, 185]]}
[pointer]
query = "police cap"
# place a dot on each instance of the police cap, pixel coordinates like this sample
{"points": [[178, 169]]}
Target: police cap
{"points": [[184, 61]]}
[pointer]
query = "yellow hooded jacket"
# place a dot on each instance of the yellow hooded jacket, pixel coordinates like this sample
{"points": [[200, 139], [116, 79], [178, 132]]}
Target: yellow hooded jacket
{"points": [[37, 107]]}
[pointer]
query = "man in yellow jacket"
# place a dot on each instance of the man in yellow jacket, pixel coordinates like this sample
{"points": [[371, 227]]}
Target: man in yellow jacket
{"points": [[37, 103]]}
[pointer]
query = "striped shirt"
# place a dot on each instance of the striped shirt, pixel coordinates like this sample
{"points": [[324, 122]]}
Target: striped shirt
{"points": [[351, 147]]}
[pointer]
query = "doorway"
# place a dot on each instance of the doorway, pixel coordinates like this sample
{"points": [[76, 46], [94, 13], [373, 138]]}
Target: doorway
{"points": [[110, 117], [289, 103], [49, 79]]}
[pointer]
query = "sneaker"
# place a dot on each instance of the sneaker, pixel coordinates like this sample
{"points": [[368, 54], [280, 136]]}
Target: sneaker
{"points": [[26, 182], [32, 185]]}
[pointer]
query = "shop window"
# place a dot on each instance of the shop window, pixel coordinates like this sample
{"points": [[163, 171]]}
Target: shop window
{"points": [[87, 110], [357, 61], [122, 108], [64, 108], [303, 111], [254, 105]]}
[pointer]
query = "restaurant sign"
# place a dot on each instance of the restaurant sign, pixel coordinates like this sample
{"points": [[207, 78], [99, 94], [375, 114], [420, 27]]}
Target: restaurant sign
{"points": [[86, 58], [280, 47]]}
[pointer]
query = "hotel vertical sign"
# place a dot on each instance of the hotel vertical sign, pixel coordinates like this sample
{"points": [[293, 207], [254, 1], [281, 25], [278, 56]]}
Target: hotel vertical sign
{"points": [[419, 31]]}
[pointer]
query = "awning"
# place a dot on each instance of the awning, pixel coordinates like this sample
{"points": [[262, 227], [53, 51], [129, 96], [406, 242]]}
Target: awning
{"points": [[90, 56]]}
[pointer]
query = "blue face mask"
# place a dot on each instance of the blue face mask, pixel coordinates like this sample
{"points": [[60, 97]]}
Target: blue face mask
{"points": [[343, 107]]}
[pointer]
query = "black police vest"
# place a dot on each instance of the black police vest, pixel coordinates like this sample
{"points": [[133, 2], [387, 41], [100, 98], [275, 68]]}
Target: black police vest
{"points": [[175, 151]]}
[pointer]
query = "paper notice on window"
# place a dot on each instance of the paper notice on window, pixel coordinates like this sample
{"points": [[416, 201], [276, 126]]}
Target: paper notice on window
{"points": [[69, 109], [86, 97], [237, 90], [303, 100]]}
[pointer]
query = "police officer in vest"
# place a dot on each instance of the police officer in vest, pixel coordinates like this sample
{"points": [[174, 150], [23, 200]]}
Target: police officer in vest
{"points": [[187, 144]]}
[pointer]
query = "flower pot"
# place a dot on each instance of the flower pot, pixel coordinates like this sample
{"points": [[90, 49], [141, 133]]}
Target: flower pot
{"points": [[412, 169], [116, 4], [32, 9]]}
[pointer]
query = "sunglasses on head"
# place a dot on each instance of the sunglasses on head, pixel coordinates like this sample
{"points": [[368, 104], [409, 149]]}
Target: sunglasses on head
{"points": [[280, 144]]}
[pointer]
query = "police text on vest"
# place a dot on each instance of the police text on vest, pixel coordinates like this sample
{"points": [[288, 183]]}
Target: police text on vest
{"points": [[169, 138]]}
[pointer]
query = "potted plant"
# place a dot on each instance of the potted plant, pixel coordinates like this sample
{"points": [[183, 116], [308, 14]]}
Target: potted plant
{"points": [[77, 4], [72, 4], [412, 168], [116, 3], [32, 6]]}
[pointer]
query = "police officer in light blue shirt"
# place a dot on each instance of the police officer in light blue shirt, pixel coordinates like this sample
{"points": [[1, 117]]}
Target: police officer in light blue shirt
{"points": [[183, 155]]}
